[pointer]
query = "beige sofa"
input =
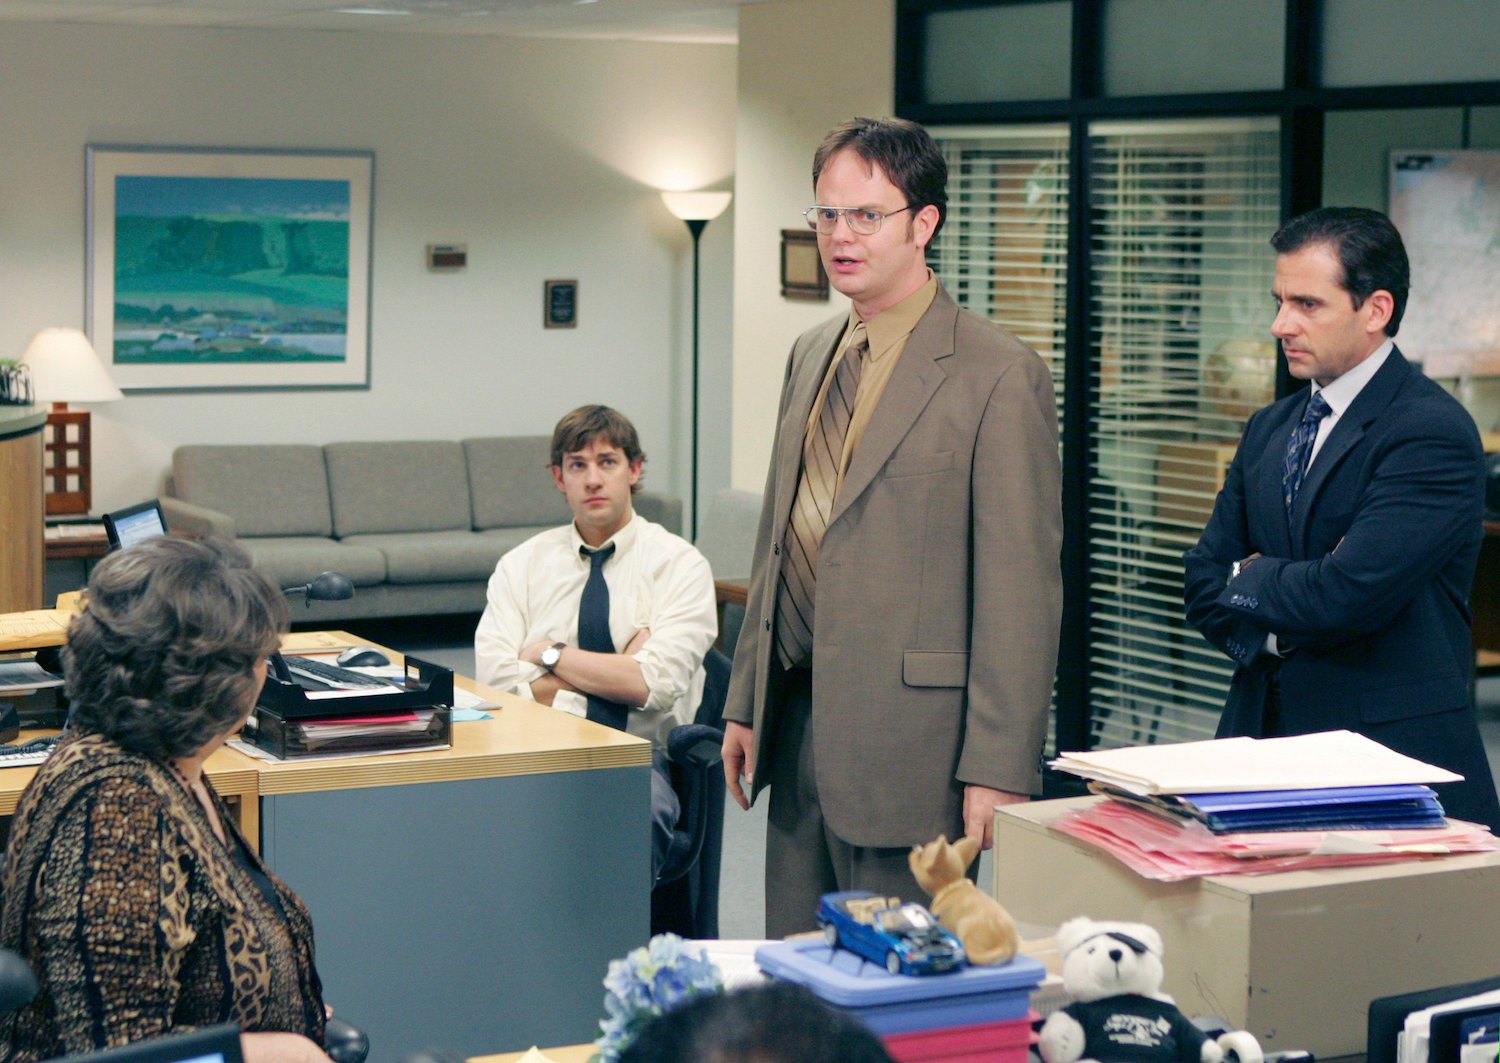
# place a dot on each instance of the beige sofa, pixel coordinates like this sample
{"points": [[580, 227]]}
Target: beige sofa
{"points": [[417, 526]]}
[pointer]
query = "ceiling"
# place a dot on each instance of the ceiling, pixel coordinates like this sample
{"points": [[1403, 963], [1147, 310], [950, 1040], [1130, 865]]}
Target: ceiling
{"points": [[710, 21]]}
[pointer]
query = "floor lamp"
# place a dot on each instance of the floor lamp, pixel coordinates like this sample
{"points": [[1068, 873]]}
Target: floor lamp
{"points": [[64, 369], [697, 209]]}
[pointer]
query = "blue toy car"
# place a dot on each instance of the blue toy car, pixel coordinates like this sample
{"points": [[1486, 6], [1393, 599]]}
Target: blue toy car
{"points": [[906, 938]]}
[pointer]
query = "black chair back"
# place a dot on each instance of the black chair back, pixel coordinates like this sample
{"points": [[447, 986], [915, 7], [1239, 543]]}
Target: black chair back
{"points": [[686, 898]]}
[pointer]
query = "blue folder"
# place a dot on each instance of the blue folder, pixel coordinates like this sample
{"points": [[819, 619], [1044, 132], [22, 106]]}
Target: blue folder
{"points": [[1337, 808]]}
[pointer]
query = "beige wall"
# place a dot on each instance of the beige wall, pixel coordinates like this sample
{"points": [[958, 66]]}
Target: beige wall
{"points": [[544, 156], [804, 67]]}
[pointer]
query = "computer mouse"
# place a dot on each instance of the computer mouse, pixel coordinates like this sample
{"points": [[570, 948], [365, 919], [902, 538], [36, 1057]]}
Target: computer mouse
{"points": [[362, 657]]}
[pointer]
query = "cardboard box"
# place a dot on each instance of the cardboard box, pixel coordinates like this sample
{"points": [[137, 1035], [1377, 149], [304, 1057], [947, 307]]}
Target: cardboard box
{"points": [[1294, 958]]}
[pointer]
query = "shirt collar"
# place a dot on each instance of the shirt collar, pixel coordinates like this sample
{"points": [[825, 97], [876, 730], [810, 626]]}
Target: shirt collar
{"points": [[623, 539], [1343, 390], [889, 328]]}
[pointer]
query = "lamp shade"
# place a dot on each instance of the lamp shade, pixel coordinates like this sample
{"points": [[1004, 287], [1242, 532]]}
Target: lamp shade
{"points": [[697, 206], [64, 368]]}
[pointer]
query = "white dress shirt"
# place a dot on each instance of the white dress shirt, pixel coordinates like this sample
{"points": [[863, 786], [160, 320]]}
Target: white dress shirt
{"points": [[1343, 390], [656, 580]]}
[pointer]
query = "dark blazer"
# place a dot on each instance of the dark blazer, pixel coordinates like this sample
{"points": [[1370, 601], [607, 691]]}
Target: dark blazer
{"points": [[1368, 585], [939, 591]]}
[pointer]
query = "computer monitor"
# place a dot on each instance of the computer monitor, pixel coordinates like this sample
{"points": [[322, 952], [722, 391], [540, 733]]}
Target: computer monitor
{"points": [[125, 527], [211, 1044]]}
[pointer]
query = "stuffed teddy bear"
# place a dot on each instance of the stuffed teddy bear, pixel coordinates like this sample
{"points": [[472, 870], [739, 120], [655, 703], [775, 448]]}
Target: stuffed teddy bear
{"points": [[1113, 971], [986, 929]]}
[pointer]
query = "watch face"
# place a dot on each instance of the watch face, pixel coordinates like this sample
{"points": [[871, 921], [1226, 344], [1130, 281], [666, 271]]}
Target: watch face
{"points": [[550, 656]]}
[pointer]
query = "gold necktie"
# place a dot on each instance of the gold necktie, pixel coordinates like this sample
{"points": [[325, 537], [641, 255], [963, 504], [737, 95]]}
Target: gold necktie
{"points": [[821, 457]]}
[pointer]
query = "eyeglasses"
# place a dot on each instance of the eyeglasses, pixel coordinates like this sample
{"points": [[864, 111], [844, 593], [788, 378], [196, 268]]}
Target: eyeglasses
{"points": [[862, 221]]}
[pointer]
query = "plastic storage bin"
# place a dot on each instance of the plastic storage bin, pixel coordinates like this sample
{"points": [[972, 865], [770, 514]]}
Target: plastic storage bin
{"points": [[900, 1003]]}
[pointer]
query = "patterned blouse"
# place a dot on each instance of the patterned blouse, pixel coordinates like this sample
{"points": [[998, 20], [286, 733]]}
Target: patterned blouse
{"points": [[136, 919]]}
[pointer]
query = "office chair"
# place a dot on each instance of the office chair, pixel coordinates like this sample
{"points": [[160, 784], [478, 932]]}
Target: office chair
{"points": [[685, 900], [17, 983]]}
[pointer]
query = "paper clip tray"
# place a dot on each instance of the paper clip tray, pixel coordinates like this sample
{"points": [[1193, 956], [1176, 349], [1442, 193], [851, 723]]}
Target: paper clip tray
{"points": [[425, 686]]}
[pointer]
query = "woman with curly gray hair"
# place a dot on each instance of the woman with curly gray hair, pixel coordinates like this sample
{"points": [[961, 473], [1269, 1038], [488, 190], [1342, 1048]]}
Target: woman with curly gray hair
{"points": [[127, 886]]}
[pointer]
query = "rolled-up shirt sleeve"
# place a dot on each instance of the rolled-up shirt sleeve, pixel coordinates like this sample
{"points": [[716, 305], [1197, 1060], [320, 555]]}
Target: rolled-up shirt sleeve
{"points": [[502, 631], [677, 604]]}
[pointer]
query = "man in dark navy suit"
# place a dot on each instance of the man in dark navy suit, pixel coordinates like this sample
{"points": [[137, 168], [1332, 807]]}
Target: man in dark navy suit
{"points": [[1336, 567]]}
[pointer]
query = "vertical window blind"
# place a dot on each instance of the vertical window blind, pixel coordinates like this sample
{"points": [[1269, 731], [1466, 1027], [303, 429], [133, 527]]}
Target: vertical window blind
{"points": [[1181, 272], [1003, 251]]}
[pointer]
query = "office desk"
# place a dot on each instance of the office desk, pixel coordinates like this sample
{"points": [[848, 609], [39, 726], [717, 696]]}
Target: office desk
{"points": [[470, 898], [233, 776]]}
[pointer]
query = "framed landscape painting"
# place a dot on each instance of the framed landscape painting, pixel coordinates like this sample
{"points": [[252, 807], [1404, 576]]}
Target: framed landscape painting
{"points": [[229, 268]]}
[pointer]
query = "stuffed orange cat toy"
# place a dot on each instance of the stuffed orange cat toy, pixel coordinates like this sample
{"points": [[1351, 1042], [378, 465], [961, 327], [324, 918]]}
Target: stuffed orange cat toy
{"points": [[986, 929]]}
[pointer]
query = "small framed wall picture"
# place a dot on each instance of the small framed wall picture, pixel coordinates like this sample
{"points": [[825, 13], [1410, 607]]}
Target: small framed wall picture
{"points": [[802, 275], [560, 304]]}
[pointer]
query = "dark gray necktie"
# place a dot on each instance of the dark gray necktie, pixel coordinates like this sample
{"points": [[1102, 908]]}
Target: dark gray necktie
{"points": [[593, 633], [1299, 450]]}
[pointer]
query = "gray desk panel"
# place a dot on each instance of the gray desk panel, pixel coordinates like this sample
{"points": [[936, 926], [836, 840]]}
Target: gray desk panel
{"points": [[475, 916]]}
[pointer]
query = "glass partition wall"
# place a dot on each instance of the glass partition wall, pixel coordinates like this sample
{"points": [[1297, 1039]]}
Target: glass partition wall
{"points": [[1117, 168]]}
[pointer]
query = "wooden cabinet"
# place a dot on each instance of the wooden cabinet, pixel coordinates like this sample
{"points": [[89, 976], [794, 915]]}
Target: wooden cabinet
{"points": [[21, 516]]}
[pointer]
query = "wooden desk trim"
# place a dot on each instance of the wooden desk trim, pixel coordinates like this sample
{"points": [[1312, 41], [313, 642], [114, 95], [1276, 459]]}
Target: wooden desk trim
{"points": [[233, 776]]}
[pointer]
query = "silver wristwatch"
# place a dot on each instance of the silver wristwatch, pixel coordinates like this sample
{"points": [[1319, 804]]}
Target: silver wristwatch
{"points": [[552, 654]]}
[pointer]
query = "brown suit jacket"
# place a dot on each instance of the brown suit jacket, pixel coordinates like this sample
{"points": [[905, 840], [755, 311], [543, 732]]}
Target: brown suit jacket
{"points": [[939, 593]]}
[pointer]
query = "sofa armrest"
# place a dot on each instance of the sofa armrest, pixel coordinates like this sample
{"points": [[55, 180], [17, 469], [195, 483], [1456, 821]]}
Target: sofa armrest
{"points": [[199, 521], [660, 509]]}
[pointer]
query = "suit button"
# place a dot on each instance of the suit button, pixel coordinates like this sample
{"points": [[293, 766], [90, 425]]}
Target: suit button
{"points": [[768, 624], [776, 549]]}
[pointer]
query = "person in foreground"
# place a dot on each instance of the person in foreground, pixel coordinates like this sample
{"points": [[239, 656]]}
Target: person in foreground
{"points": [[1335, 569], [892, 679], [608, 617], [127, 887], [773, 1022]]}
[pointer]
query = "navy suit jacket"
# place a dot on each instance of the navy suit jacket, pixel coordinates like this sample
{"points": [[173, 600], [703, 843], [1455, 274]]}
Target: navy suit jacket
{"points": [[1366, 588]]}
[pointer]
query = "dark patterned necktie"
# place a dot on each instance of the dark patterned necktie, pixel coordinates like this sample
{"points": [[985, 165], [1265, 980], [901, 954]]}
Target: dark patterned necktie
{"points": [[1299, 450], [593, 633], [813, 504]]}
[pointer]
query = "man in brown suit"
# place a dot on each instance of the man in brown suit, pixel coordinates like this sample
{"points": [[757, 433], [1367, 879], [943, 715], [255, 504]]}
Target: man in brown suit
{"points": [[892, 679]]}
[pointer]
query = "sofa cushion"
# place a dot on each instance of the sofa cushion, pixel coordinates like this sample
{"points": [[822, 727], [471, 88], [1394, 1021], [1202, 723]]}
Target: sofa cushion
{"points": [[295, 560], [507, 539], [510, 483], [434, 557], [267, 488], [405, 486]]}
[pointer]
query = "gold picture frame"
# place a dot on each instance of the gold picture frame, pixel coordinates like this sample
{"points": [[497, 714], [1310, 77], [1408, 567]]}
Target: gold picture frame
{"points": [[802, 275]]}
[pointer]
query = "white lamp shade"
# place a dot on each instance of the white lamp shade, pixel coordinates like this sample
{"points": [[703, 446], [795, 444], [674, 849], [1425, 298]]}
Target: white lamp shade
{"points": [[64, 368], [697, 206]]}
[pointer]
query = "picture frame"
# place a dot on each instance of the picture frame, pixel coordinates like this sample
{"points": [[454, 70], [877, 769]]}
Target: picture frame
{"points": [[560, 304], [229, 268], [802, 274]]}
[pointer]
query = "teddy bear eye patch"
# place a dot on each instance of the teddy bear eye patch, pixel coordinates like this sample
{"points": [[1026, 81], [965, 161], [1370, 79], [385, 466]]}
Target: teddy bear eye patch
{"points": [[1135, 945]]}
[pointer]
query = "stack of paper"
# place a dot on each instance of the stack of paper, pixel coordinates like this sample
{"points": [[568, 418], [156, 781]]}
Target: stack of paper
{"points": [[1246, 805], [1229, 765]]}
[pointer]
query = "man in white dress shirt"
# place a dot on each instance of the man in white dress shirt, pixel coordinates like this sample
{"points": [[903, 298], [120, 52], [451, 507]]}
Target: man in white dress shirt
{"points": [[610, 616]]}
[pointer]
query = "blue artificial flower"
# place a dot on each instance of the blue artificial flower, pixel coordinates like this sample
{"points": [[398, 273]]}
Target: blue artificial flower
{"points": [[647, 982]]}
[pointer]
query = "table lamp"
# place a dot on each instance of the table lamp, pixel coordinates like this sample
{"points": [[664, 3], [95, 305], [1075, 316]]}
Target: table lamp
{"points": [[64, 369], [697, 209]]}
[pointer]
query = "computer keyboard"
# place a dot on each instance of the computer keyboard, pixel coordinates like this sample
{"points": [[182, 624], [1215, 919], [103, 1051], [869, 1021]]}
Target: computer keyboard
{"points": [[33, 752], [331, 675]]}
